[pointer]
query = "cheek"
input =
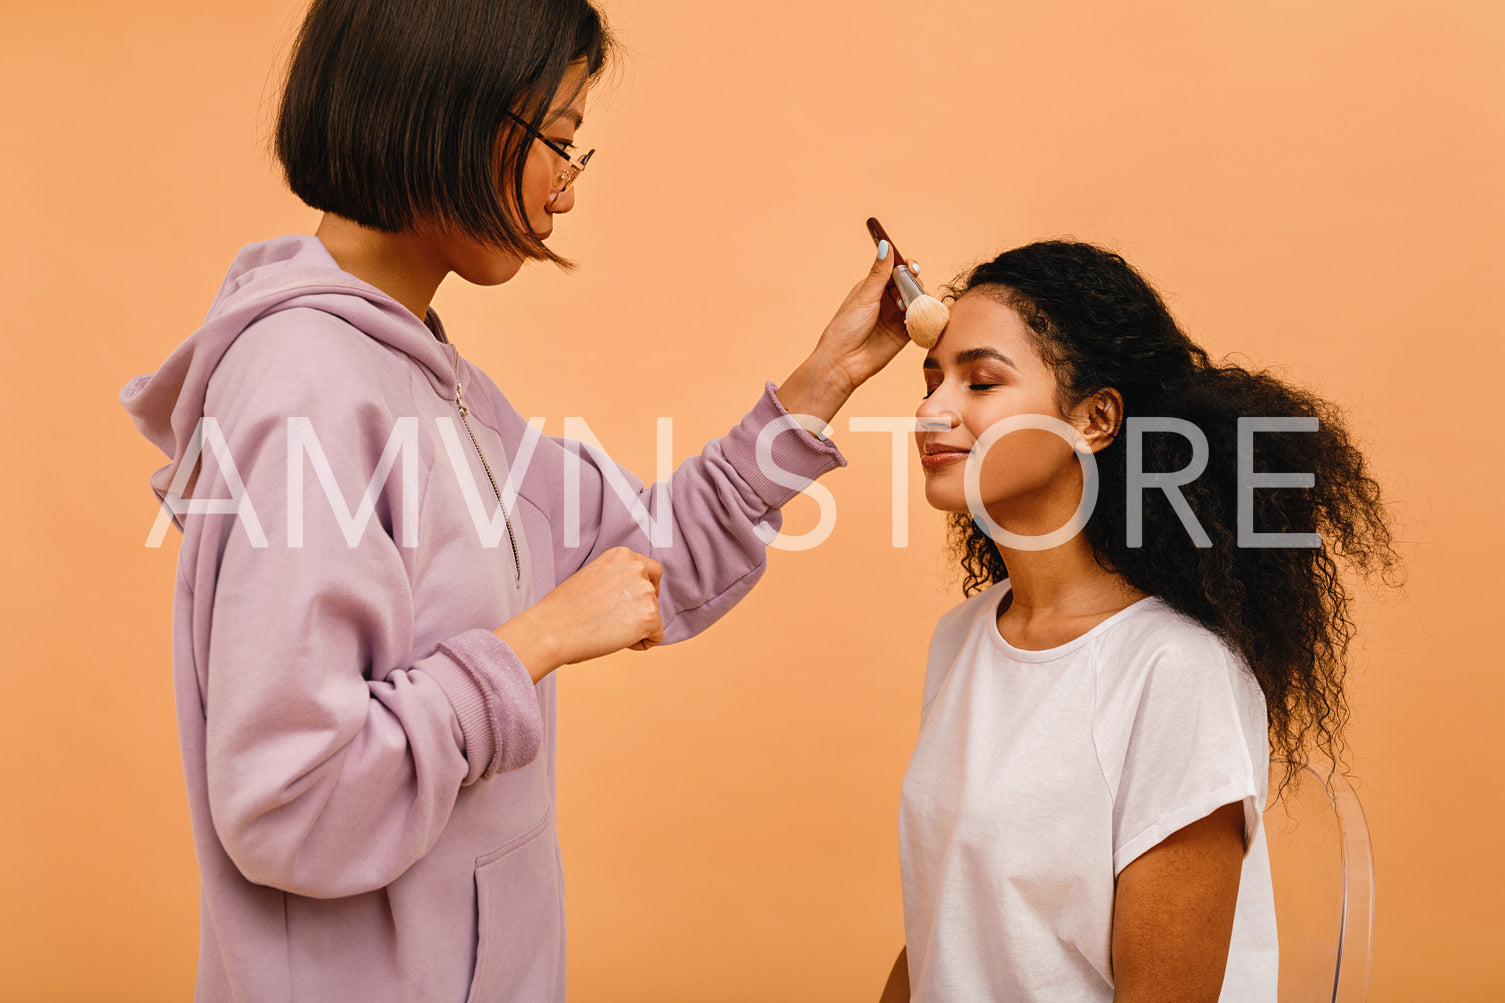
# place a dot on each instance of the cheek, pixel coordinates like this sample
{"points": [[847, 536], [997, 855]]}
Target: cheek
{"points": [[536, 190], [1023, 461], [538, 184]]}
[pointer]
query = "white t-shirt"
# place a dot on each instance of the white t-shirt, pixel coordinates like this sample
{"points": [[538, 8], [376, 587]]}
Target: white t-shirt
{"points": [[1039, 775]]}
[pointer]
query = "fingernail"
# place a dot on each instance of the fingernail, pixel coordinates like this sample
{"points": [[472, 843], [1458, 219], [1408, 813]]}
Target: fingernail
{"points": [[882, 249]]}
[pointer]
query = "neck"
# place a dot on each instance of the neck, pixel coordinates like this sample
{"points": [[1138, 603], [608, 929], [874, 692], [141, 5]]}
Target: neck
{"points": [[1063, 581], [403, 265]]}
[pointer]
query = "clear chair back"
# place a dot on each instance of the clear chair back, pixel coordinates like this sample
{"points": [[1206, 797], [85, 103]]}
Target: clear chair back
{"points": [[1323, 872]]}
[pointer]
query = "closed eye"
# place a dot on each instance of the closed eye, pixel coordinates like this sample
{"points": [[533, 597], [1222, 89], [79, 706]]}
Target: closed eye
{"points": [[981, 386]]}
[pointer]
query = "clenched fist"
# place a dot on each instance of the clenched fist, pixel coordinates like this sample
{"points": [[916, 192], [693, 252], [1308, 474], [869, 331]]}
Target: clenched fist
{"points": [[608, 605]]}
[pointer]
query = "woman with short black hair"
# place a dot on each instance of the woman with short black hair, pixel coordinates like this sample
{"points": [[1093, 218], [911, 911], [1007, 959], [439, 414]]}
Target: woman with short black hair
{"points": [[363, 657], [394, 115]]}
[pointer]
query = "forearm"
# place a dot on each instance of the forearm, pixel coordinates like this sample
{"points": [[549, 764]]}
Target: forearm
{"points": [[324, 783], [727, 507], [710, 523], [338, 810], [815, 388]]}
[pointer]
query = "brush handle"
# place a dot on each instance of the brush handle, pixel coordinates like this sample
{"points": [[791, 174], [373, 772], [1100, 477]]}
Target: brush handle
{"points": [[901, 264], [905, 280], [878, 233]]}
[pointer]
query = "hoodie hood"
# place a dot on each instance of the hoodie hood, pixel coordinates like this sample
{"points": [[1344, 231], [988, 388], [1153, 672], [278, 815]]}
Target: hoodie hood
{"points": [[280, 274]]}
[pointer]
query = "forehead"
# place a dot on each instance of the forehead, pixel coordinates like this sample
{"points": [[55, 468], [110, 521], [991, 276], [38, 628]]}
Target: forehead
{"points": [[982, 321]]}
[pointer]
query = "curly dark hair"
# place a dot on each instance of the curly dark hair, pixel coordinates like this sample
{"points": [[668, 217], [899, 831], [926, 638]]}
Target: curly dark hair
{"points": [[1285, 609]]}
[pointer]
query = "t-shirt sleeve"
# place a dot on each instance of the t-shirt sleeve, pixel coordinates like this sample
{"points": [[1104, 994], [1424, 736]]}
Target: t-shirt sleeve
{"points": [[1179, 738]]}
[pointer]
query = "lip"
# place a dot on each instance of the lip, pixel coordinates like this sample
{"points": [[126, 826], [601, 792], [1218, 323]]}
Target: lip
{"points": [[937, 455]]}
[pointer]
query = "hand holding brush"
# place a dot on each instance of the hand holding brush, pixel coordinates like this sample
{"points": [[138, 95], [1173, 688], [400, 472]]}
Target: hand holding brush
{"points": [[924, 315]]}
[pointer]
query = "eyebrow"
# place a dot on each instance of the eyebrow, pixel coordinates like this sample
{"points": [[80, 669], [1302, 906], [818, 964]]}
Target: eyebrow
{"points": [[568, 113], [972, 355]]}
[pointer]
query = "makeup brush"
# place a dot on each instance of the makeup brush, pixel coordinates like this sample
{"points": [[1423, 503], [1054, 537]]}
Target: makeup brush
{"points": [[924, 315]]}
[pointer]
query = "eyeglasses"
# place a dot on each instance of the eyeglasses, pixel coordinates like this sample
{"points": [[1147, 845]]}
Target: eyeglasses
{"points": [[572, 168]]}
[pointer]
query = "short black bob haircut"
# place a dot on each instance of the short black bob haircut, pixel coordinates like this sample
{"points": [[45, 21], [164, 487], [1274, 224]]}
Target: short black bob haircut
{"points": [[392, 111]]}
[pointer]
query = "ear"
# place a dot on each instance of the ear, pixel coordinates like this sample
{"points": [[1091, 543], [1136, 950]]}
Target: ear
{"points": [[1099, 418]]}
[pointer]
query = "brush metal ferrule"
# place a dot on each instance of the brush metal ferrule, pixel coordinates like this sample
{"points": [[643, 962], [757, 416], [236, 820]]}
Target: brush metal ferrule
{"points": [[908, 286]]}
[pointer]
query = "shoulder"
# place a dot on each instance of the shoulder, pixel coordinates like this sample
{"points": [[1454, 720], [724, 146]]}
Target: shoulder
{"points": [[300, 361], [1179, 726], [301, 340], [1152, 637], [1160, 655], [1161, 665]]}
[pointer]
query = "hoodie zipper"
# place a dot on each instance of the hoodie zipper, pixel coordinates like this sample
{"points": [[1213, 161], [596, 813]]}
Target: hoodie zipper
{"points": [[517, 566]]}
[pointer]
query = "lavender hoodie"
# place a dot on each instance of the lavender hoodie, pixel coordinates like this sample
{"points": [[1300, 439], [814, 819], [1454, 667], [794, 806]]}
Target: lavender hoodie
{"points": [[370, 769]]}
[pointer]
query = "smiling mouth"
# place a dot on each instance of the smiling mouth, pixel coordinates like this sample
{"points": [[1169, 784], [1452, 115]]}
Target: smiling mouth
{"points": [[933, 459]]}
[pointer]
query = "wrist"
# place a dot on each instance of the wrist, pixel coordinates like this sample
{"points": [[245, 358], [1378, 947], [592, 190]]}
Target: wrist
{"points": [[816, 388], [534, 646]]}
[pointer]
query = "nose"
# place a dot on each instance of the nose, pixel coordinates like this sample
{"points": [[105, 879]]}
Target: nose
{"points": [[932, 416], [936, 414], [562, 201]]}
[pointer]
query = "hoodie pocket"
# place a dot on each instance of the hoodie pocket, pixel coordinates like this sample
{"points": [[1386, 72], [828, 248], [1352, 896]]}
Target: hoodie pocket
{"points": [[520, 922]]}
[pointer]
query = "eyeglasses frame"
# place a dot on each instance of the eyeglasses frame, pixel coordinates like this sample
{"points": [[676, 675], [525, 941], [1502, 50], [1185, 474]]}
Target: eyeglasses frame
{"points": [[573, 168]]}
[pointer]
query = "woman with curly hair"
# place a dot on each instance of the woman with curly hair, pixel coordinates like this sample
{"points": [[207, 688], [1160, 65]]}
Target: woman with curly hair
{"points": [[1151, 546]]}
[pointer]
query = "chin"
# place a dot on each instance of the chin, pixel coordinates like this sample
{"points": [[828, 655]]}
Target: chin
{"points": [[492, 273], [945, 501]]}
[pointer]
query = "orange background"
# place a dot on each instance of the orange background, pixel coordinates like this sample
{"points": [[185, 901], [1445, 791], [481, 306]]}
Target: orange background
{"points": [[1315, 186]]}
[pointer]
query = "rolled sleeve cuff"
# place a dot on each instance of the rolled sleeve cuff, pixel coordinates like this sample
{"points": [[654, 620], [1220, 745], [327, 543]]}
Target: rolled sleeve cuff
{"points": [[792, 457], [494, 699]]}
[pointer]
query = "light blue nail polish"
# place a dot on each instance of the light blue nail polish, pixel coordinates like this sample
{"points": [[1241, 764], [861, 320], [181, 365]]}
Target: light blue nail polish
{"points": [[882, 249]]}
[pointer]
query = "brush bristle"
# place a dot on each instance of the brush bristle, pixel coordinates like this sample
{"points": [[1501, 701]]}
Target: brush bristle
{"points": [[925, 320]]}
